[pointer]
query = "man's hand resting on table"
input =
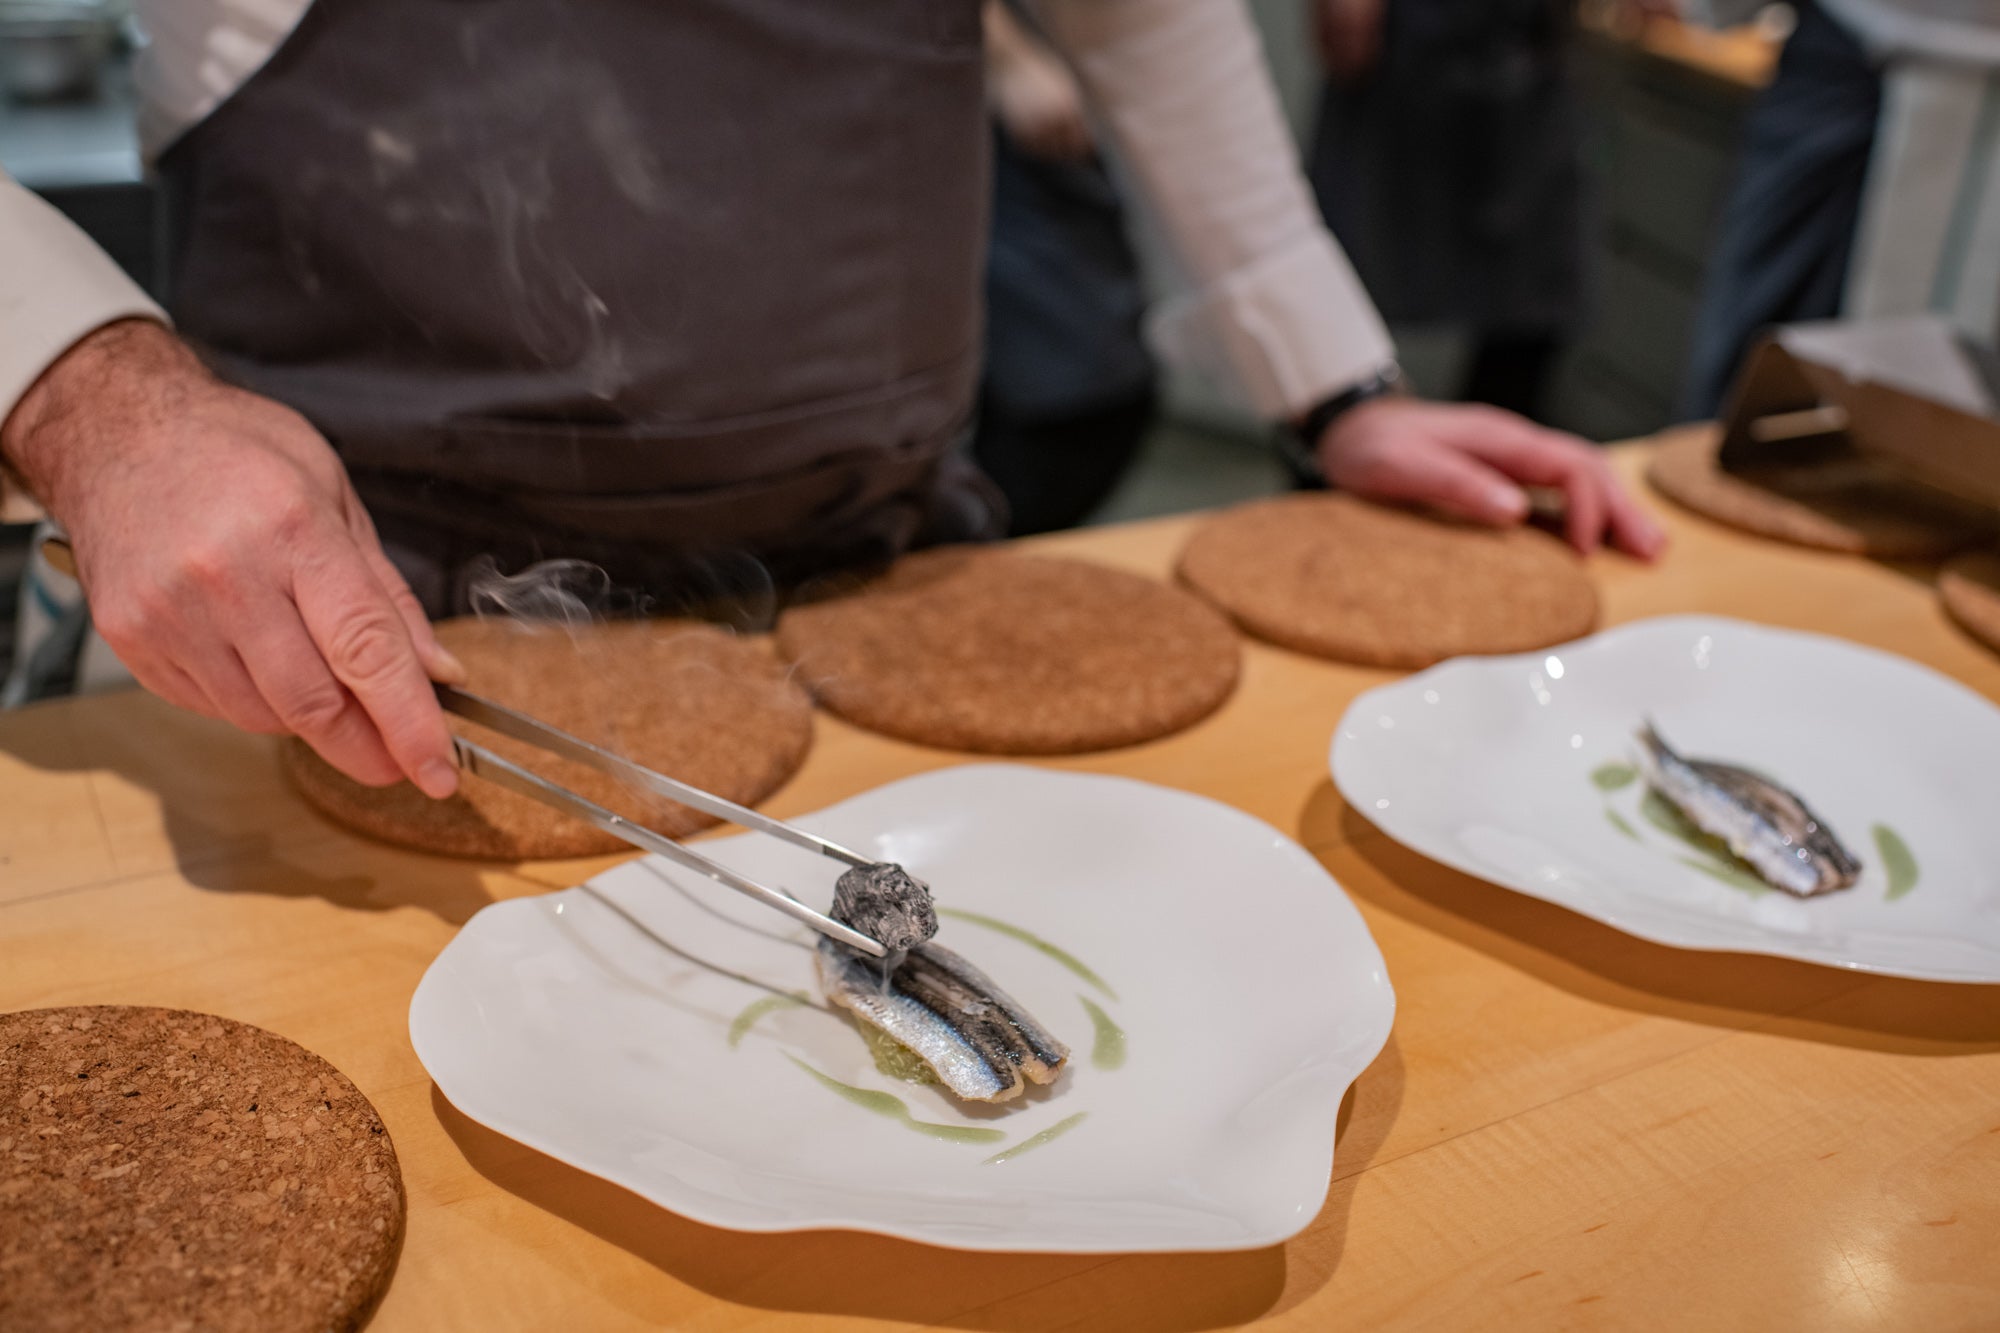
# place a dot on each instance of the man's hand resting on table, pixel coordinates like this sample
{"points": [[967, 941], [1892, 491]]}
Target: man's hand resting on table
{"points": [[227, 560], [1472, 461]]}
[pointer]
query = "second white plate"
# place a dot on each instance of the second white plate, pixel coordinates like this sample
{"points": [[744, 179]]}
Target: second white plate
{"points": [[1515, 769]]}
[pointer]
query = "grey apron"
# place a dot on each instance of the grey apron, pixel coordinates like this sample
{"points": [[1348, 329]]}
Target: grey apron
{"points": [[655, 283]]}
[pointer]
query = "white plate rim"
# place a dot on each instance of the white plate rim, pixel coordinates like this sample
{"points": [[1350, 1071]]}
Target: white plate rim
{"points": [[1341, 761], [443, 1071]]}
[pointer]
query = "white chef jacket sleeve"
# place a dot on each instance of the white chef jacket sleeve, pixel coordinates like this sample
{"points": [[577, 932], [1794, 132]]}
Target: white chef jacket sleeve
{"points": [[1183, 90], [55, 287]]}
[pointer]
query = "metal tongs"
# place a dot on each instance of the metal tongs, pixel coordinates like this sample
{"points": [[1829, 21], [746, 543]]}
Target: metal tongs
{"points": [[478, 760]]}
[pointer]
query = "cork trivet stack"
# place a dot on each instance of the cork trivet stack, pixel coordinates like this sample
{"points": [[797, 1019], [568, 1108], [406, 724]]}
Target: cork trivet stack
{"points": [[681, 698], [995, 652], [170, 1170], [1856, 505], [1338, 577]]}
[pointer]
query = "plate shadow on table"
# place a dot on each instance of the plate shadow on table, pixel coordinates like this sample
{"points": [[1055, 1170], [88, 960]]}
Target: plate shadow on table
{"points": [[1367, 1113], [306, 857], [1607, 966], [856, 1274]]}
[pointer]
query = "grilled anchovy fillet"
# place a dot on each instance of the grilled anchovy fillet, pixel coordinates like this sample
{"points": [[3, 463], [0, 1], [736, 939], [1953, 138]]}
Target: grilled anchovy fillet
{"points": [[983, 1046], [1001, 1029], [886, 903], [1768, 827]]}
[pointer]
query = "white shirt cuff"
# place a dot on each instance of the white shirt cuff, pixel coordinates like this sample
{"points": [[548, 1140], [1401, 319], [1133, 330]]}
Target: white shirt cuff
{"points": [[1290, 330], [56, 286]]}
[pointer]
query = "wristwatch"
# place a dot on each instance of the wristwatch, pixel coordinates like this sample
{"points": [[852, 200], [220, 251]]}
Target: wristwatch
{"points": [[1300, 443]]}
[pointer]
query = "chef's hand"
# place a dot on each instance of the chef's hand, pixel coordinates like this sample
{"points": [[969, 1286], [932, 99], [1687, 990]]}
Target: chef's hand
{"points": [[1032, 93], [1348, 34], [226, 558], [1472, 461]]}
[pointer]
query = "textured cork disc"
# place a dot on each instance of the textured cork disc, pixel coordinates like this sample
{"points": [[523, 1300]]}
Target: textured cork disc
{"points": [[167, 1170], [1338, 577], [1970, 589], [1855, 506], [1000, 653], [684, 699]]}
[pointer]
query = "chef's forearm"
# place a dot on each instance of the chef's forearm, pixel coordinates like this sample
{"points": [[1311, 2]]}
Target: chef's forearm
{"points": [[56, 288], [132, 370], [1184, 91]]}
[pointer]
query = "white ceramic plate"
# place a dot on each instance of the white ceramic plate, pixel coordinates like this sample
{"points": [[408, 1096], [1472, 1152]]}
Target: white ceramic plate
{"points": [[1248, 990], [1488, 765]]}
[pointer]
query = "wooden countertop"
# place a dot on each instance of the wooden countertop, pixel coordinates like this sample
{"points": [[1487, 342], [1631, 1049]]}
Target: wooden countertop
{"points": [[1743, 57], [1569, 1127]]}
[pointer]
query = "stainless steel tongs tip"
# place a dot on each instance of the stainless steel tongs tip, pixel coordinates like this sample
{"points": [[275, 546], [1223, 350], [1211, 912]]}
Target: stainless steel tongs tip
{"points": [[481, 762]]}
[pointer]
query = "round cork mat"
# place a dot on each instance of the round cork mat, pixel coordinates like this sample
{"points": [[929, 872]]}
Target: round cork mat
{"points": [[168, 1170], [1854, 505], [1000, 653], [681, 698], [1969, 586], [1338, 577]]}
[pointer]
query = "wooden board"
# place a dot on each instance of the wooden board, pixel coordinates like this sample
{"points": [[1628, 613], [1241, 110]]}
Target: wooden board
{"points": [[1569, 1128]]}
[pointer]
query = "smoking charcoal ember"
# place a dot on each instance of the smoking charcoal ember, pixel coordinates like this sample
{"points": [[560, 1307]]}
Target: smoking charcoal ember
{"points": [[886, 903]]}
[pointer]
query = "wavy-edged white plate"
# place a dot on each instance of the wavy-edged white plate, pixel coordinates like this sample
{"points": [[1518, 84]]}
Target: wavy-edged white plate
{"points": [[1513, 769], [636, 1027]]}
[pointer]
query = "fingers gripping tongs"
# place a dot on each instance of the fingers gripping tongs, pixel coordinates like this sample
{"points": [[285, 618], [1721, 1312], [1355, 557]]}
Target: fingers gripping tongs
{"points": [[481, 762]]}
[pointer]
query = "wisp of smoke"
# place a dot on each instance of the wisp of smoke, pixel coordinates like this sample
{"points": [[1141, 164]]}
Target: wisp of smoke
{"points": [[578, 598], [571, 594]]}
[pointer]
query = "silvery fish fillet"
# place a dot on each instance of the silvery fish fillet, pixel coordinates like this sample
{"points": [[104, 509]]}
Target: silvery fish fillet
{"points": [[981, 1044], [1771, 829]]}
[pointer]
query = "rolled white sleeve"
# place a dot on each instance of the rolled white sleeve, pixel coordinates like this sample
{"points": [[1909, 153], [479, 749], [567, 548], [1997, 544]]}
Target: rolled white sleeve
{"points": [[1183, 90], [55, 287]]}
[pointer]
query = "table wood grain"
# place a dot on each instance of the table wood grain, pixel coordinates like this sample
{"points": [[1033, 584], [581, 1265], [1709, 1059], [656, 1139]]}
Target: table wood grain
{"points": [[1569, 1128]]}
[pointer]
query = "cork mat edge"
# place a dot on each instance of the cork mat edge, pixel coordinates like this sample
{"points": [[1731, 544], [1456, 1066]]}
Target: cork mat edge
{"points": [[120, 1033], [1287, 634], [1701, 489], [963, 738], [395, 816]]}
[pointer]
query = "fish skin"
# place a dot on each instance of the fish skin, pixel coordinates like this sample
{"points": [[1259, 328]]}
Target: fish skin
{"points": [[858, 986], [1026, 1042], [1768, 827], [981, 1043]]}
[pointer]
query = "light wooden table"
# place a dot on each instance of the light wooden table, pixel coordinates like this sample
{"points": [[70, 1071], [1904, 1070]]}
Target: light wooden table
{"points": [[1568, 1128]]}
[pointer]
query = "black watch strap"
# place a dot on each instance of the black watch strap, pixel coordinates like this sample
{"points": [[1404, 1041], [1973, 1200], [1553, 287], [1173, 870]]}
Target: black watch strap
{"points": [[1301, 443]]}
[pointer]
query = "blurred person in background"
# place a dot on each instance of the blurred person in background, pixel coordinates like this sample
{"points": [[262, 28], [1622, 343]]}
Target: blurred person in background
{"points": [[630, 282], [1069, 386], [1869, 181], [1446, 159]]}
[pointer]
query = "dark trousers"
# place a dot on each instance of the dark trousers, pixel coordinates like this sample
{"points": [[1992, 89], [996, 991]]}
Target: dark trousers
{"points": [[1787, 230], [1512, 370], [1054, 472], [1068, 390]]}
